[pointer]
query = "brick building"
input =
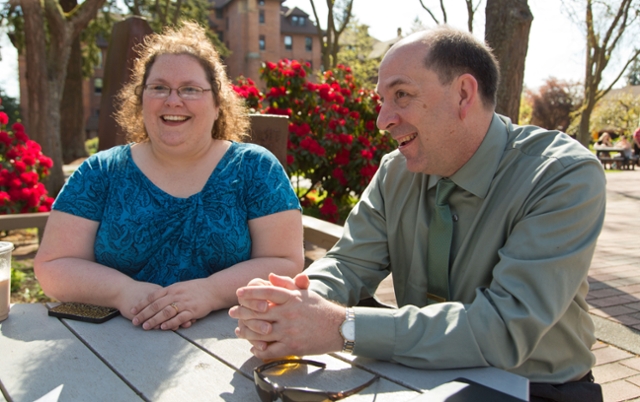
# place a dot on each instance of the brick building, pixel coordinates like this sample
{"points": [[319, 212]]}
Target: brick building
{"points": [[263, 30]]}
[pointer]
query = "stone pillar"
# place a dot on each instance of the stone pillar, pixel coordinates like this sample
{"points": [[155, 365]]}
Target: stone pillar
{"points": [[120, 57], [272, 132]]}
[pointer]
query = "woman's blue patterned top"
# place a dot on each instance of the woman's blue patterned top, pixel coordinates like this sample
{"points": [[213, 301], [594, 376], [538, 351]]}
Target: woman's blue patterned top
{"points": [[155, 237]]}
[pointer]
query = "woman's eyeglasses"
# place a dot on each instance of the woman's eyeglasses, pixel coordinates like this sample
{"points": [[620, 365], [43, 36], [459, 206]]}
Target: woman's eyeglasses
{"points": [[187, 92], [270, 392]]}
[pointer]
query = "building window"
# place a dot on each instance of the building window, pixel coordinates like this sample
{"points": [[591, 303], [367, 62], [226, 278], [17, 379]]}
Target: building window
{"points": [[219, 13], [261, 2], [261, 16], [98, 60], [297, 20], [262, 42], [220, 36], [97, 86], [288, 42], [308, 43]]}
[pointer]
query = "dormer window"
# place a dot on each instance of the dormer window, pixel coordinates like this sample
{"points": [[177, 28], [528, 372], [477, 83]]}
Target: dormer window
{"points": [[298, 20]]}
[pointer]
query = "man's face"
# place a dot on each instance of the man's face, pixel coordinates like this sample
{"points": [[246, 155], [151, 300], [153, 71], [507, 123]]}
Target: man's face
{"points": [[419, 112]]}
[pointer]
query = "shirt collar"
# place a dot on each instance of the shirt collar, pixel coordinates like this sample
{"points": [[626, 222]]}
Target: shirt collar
{"points": [[476, 175]]}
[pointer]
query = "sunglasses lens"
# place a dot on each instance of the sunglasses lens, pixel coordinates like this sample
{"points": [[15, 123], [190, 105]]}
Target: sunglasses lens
{"points": [[263, 389], [292, 395]]}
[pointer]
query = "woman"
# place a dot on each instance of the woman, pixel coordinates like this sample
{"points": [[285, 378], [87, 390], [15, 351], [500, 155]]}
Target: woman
{"points": [[166, 228]]}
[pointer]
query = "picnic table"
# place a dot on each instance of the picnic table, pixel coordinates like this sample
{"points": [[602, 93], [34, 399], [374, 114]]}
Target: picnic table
{"points": [[605, 156], [65, 360]]}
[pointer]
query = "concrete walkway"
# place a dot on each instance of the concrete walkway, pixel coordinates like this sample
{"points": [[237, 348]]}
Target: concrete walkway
{"points": [[614, 294]]}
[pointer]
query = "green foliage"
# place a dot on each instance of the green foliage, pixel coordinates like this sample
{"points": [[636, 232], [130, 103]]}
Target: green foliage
{"points": [[633, 76], [97, 30], [526, 109], [17, 279], [356, 45], [10, 106], [92, 145], [620, 112]]}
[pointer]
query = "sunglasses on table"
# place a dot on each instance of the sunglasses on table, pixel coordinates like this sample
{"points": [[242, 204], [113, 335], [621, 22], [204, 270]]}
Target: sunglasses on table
{"points": [[270, 392]]}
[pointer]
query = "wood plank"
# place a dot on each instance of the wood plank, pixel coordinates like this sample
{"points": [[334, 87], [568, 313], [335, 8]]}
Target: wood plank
{"points": [[25, 221], [425, 380], [39, 354], [162, 365], [216, 335], [321, 233]]}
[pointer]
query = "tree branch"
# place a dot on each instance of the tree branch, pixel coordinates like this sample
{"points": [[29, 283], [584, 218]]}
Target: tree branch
{"points": [[429, 11]]}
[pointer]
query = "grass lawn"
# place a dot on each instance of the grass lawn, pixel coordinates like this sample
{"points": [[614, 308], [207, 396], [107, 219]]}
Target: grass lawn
{"points": [[24, 286]]}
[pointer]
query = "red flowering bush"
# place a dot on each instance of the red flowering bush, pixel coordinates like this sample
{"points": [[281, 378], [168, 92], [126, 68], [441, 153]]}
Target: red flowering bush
{"points": [[22, 167], [333, 140], [247, 89]]}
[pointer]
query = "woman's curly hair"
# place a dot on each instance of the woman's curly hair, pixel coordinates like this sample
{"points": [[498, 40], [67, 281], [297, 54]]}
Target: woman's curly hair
{"points": [[189, 39]]}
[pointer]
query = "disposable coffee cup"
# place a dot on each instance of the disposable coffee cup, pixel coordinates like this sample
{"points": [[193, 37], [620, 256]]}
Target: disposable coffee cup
{"points": [[5, 278]]}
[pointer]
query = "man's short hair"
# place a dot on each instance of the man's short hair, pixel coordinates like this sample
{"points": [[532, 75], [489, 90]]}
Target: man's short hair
{"points": [[453, 52]]}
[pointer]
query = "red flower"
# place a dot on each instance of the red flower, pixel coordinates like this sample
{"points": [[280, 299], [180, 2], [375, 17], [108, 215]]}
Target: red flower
{"points": [[368, 171], [290, 159], [45, 161], [329, 208], [4, 138], [370, 125], [342, 157], [4, 119], [368, 155]]}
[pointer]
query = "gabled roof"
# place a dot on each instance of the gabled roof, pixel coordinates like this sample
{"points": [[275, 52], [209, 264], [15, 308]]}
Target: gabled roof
{"points": [[286, 26]]}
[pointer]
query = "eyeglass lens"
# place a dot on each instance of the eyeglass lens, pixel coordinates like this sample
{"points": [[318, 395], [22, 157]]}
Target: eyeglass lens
{"points": [[185, 92]]}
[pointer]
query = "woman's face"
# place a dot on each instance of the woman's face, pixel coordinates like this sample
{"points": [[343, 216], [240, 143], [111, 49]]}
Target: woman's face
{"points": [[172, 121]]}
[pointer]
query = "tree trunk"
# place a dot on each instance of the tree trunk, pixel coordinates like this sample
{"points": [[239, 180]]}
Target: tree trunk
{"points": [[45, 90], [72, 135], [507, 27], [37, 85]]}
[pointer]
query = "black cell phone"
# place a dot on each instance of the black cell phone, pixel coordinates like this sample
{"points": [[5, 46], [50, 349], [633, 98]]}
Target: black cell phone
{"points": [[465, 390], [83, 312]]}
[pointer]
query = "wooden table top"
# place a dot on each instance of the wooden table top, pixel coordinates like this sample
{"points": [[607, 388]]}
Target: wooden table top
{"points": [[65, 360]]}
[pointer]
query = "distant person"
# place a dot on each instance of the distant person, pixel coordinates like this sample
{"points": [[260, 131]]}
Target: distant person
{"points": [[604, 141], [167, 227], [488, 229], [636, 144]]}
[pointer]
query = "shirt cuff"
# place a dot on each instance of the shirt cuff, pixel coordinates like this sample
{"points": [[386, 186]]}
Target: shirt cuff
{"points": [[375, 332]]}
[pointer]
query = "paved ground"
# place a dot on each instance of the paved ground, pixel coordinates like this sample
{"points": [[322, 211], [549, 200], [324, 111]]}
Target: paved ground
{"points": [[614, 294]]}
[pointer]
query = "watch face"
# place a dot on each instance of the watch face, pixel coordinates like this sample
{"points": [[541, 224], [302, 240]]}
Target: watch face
{"points": [[348, 330]]}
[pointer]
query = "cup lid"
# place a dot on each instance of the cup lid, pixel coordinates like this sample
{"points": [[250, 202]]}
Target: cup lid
{"points": [[5, 246]]}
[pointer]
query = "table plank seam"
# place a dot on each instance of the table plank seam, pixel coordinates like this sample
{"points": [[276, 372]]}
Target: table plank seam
{"points": [[218, 358], [105, 362]]}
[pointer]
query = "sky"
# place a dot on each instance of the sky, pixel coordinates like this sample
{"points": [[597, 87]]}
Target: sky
{"points": [[556, 44]]}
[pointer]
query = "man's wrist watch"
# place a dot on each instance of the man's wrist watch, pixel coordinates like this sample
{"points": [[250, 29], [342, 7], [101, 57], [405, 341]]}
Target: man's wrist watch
{"points": [[348, 330]]}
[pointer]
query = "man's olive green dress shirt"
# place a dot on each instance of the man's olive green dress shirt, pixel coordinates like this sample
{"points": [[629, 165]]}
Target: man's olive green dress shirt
{"points": [[529, 206]]}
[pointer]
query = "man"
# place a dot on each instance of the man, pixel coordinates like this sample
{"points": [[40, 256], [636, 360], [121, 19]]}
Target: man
{"points": [[526, 209]]}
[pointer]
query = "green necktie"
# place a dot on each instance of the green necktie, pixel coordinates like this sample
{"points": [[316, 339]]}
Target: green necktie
{"points": [[439, 244]]}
